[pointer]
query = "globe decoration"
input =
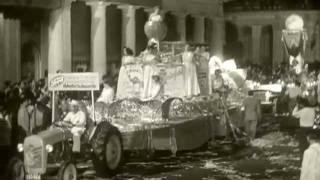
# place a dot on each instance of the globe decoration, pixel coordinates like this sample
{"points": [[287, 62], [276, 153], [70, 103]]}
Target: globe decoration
{"points": [[294, 22], [155, 27], [294, 38]]}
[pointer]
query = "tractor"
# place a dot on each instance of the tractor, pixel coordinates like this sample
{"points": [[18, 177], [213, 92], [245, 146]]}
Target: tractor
{"points": [[49, 152]]}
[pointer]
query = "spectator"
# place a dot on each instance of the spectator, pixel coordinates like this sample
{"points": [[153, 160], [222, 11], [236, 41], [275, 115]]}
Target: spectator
{"points": [[293, 91], [311, 157], [252, 114], [306, 115]]}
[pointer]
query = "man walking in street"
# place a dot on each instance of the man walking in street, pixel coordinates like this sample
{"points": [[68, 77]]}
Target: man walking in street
{"points": [[252, 114]]}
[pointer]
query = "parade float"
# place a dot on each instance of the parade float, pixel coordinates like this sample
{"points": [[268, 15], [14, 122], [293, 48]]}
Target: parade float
{"points": [[177, 121]]}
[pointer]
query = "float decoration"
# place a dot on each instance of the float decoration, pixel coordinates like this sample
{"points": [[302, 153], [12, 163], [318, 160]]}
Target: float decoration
{"points": [[294, 38], [155, 28]]}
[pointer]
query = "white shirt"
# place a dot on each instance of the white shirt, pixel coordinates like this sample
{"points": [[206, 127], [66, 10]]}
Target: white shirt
{"points": [[107, 95], [306, 116], [311, 163], [77, 119], [214, 64], [293, 92]]}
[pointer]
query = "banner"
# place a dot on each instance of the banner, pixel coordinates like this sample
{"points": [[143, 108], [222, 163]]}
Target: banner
{"points": [[203, 76], [73, 82], [172, 78]]}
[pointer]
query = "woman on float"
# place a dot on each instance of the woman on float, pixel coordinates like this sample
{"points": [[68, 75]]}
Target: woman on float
{"points": [[149, 59], [127, 59], [157, 89], [190, 74]]}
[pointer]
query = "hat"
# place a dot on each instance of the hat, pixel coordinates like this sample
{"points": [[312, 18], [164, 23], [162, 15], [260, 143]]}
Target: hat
{"points": [[74, 102]]}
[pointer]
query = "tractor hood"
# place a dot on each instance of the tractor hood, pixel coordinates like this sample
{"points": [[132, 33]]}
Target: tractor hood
{"points": [[54, 135], [35, 153]]}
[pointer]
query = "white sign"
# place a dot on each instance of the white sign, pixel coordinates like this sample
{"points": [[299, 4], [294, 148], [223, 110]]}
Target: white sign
{"points": [[73, 82]]}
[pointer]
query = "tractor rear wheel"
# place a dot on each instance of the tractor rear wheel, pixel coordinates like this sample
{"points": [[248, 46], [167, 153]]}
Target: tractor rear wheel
{"points": [[108, 150], [68, 171]]}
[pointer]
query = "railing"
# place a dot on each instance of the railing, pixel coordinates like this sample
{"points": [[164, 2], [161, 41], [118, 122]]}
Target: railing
{"points": [[270, 5]]}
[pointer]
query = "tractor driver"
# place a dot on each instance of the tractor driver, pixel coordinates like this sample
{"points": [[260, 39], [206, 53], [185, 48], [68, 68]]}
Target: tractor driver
{"points": [[76, 120]]}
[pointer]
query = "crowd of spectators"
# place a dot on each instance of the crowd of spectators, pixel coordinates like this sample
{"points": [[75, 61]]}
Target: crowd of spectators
{"points": [[25, 106]]}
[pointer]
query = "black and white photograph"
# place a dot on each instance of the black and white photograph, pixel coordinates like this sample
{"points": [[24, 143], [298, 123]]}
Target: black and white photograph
{"points": [[159, 89]]}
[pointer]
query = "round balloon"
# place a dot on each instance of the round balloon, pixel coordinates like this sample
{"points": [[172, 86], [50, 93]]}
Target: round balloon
{"points": [[155, 29]]}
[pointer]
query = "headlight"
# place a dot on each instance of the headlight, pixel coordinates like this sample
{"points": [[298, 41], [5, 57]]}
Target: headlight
{"points": [[20, 147], [49, 148]]}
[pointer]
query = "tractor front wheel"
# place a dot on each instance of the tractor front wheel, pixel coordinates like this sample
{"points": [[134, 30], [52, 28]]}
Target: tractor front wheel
{"points": [[68, 171]]}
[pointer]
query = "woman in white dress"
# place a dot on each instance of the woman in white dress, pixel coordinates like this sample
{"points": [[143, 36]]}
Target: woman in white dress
{"points": [[107, 94], [157, 89], [123, 79], [149, 58], [190, 73]]}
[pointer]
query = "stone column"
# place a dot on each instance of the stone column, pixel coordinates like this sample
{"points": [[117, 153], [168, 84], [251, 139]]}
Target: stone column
{"points": [[256, 38], [181, 25], [218, 37], [98, 38], [310, 53], [44, 48], [59, 57], [198, 33], [277, 52], [128, 26]]}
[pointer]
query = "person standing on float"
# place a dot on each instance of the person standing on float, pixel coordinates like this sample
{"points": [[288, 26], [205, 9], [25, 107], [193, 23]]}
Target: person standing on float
{"points": [[123, 79], [190, 74], [107, 94], [149, 59]]}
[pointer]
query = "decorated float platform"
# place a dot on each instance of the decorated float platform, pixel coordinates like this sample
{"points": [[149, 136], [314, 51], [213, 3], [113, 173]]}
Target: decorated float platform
{"points": [[177, 121], [172, 124]]}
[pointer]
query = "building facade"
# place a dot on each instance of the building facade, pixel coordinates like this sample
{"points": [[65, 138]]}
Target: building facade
{"points": [[44, 36], [254, 30]]}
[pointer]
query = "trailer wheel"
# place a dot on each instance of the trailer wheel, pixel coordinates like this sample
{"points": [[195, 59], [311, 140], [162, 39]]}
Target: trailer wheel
{"points": [[68, 171], [108, 150], [15, 169]]}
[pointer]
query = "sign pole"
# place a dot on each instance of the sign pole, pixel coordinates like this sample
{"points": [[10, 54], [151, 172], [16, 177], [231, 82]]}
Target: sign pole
{"points": [[53, 102], [93, 111]]}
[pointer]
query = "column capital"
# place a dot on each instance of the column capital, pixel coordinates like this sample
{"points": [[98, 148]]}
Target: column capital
{"points": [[100, 3], [200, 16], [217, 19], [256, 27], [151, 10], [128, 7], [66, 3], [179, 14]]}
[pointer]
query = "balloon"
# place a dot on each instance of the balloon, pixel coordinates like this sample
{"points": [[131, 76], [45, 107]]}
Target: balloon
{"points": [[155, 29]]}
